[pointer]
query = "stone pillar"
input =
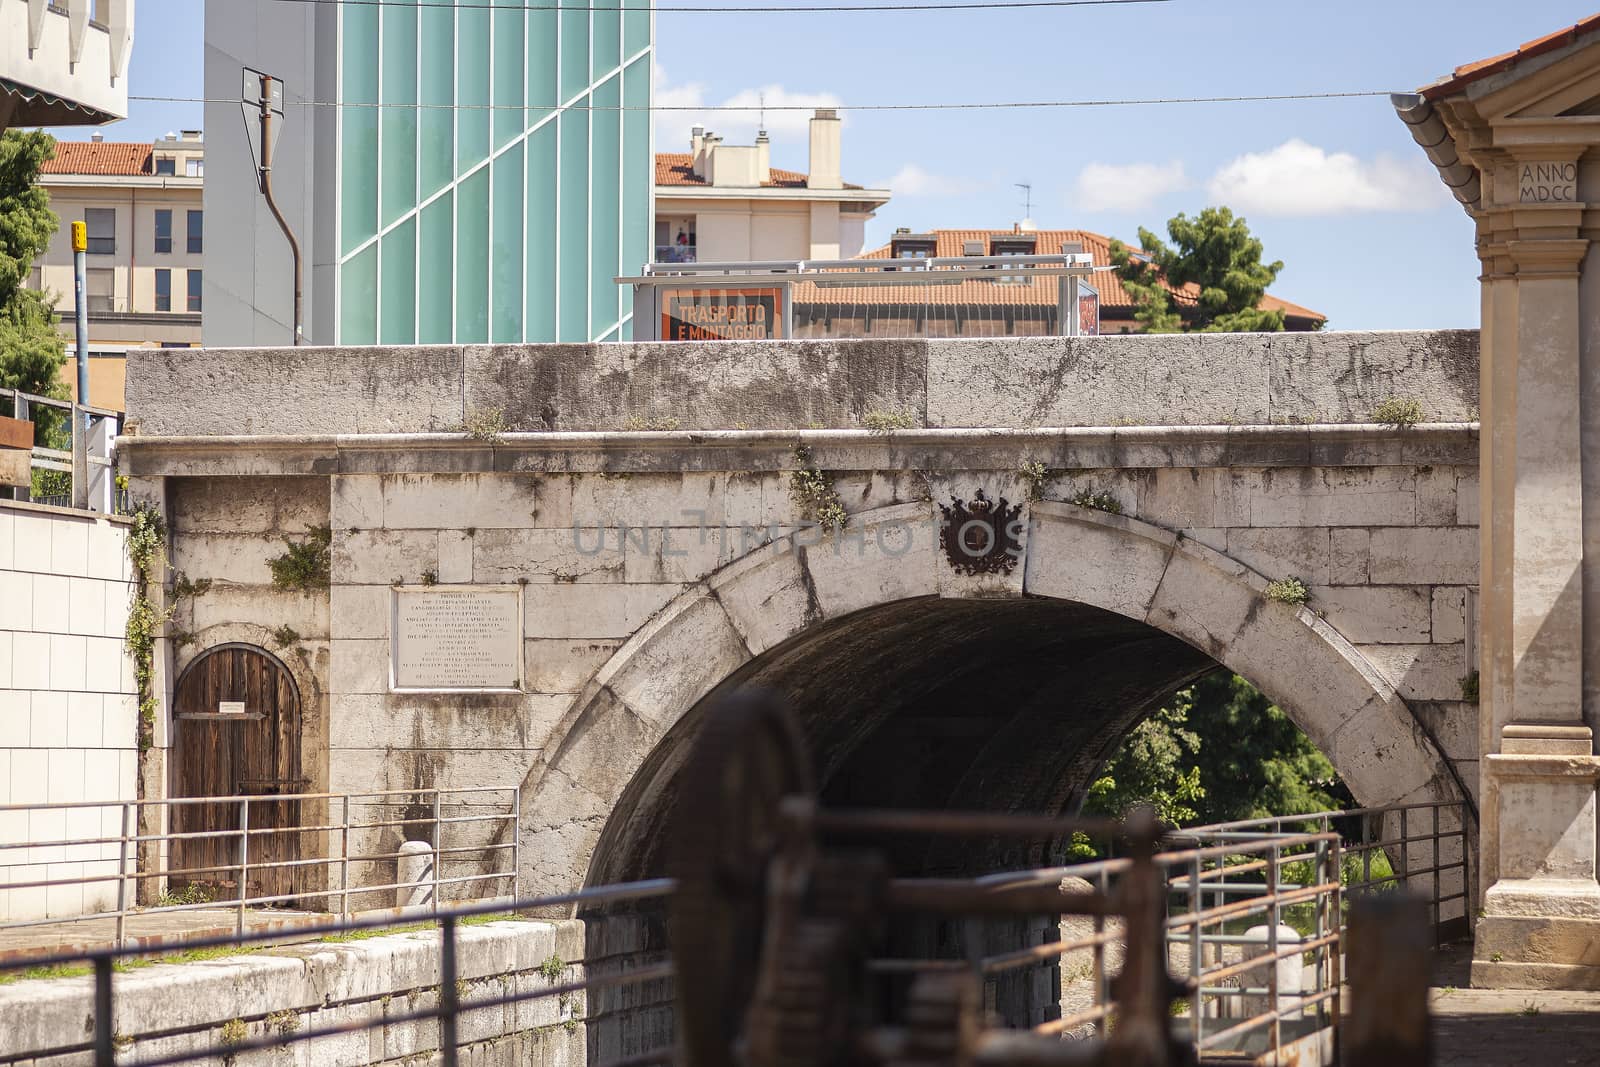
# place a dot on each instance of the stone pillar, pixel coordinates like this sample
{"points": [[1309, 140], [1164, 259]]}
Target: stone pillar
{"points": [[1540, 897]]}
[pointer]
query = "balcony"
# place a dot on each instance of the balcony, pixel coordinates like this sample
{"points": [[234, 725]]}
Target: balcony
{"points": [[675, 254]]}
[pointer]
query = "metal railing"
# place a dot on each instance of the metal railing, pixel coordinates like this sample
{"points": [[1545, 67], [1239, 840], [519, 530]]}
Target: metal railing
{"points": [[352, 869], [1254, 923], [106, 1039], [89, 462]]}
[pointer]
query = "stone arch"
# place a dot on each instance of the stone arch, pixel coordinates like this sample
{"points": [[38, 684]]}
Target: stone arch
{"points": [[619, 733]]}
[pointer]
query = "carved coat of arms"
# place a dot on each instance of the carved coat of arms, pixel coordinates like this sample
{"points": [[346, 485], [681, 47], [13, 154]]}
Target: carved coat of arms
{"points": [[981, 537]]}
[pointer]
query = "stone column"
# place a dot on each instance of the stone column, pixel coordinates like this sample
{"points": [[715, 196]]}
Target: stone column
{"points": [[1519, 150]]}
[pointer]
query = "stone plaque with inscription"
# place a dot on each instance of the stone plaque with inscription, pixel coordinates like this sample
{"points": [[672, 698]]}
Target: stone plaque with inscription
{"points": [[1547, 183], [467, 638]]}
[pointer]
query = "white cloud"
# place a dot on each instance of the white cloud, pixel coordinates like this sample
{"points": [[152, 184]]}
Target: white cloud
{"points": [[787, 112], [1297, 178], [1127, 186], [912, 180]]}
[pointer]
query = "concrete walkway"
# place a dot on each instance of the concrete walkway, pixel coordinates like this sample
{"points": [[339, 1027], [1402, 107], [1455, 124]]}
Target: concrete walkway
{"points": [[1509, 1028]]}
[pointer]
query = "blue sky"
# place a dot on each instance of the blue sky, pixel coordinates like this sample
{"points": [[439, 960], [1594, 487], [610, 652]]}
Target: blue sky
{"points": [[1335, 188]]}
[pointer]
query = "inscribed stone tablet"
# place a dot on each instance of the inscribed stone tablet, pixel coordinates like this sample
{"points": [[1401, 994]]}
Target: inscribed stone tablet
{"points": [[457, 639]]}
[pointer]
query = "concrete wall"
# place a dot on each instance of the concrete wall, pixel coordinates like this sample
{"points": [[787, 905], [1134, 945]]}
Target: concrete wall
{"points": [[68, 713], [248, 290], [1201, 379], [167, 1009]]}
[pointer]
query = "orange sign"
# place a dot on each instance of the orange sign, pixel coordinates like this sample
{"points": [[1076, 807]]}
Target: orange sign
{"points": [[721, 315]]}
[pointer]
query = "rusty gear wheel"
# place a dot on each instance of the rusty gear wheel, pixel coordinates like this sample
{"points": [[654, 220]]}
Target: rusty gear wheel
{"points": [[748, 756]]}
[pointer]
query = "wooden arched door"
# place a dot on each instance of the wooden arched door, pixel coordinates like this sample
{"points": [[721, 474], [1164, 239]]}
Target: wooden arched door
{"points": [[236, 724]]}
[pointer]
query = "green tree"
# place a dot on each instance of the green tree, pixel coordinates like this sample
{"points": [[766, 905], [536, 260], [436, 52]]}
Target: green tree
{"points": [[1216, 751], [31, 350], [1215, 252]]}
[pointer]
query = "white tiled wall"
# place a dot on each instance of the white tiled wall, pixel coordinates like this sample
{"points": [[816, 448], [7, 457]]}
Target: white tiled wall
{"points": [[68, 713]]}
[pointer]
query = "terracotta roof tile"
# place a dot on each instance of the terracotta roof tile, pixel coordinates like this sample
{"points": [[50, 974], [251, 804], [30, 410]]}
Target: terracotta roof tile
{"points": [[98, 157], [1038, 292], [1468, 73], [677, 168]]}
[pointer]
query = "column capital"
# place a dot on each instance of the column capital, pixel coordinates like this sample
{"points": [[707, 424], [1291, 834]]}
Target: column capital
{"points": [[1547, 258]]}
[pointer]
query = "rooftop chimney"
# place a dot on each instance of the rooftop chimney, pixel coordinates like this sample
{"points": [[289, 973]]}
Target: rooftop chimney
{"points": [[763, 157], [696, 135], [97, 137], [701, 162], [825, 150], [191, 135]]}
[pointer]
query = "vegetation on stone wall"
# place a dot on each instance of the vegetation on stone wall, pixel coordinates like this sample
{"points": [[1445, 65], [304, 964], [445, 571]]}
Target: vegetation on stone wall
{"points": [[307, 564], [1097, 500], [1398, 411], [1290, 590], [1033, 475], [147, 552], [813, 493], [887, 422]]}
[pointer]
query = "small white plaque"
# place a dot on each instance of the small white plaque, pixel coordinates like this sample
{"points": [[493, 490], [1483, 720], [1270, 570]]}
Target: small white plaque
{"points": [[230, 707], [463, 638]]}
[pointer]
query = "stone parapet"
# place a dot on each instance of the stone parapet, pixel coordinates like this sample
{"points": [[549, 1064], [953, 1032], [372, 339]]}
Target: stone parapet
{"points": [[1014, 382]]}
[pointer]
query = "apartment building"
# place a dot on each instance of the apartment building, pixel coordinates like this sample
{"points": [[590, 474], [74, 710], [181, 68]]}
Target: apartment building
{"points": [[142, 204], [727, 203]]}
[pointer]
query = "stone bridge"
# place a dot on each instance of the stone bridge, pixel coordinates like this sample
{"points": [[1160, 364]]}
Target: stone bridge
{"points": [[639, 501]]}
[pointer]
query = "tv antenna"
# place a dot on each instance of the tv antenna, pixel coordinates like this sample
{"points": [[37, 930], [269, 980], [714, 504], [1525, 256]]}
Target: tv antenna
{"points": [[1027, 199]]}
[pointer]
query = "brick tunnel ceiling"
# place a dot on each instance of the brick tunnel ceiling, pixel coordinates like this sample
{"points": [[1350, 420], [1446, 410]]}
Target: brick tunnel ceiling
{"points": [[1002, 705]]}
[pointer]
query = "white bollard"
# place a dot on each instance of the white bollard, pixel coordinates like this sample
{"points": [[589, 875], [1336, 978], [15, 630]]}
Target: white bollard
{"points": [[1291, 973], [415, 875]]}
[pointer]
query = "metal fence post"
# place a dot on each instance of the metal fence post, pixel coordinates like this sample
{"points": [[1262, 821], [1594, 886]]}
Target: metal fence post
{"points": [[105, 1045], [344, 862], [1196, 948], [1405, 852], [438, 847], [244, 860], [1273, 918], [516, 844], [1100, 998], [122, 875], [449, 1000]]}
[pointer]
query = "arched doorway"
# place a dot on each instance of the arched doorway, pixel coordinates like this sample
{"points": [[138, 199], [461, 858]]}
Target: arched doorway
{"points": [[236, 728]]}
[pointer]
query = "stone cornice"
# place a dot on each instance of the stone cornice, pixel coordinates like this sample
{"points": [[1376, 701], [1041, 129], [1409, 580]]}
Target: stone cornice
{"points": [[1548, 258], [774, 450]]}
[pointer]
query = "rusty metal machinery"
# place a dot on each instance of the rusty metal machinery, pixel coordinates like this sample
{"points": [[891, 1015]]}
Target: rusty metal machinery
{"points": [[781, 904]]}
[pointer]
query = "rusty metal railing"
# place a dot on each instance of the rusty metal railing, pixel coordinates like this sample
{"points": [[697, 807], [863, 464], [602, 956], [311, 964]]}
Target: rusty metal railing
{"points": [[105, 1038], [343, 877]]}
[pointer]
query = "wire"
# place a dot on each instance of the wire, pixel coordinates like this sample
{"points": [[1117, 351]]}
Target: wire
{"points": [[996, 106], [957, 5]]}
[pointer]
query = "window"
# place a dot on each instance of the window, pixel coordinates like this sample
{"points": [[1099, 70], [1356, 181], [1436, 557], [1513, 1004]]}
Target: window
{"points": [[36, 279], [163, 230], [163, 290], [195, 168], [194, 288], [195, 226], [167, 166], [102, 222], [100, 287]]}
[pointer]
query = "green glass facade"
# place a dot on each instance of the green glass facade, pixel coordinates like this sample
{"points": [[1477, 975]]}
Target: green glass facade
{"points": [[503, 219]]}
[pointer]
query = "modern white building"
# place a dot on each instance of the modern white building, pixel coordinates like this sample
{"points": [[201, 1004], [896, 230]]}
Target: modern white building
{"points": [[64, 62], [727, 203], [455, 171]]}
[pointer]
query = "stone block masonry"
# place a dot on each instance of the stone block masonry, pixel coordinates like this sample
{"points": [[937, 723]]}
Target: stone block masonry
{"points": [[654, 564], [68, 713], [166, 1009], [1193, 379]]}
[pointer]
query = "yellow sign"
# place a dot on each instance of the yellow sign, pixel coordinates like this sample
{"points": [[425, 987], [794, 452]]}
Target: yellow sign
{"points": [[80, 237]]}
